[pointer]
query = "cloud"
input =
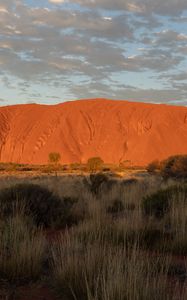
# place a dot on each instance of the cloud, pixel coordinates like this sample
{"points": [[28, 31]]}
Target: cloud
{"points": [[70, 47], [57, 1], [175, 77], [131, 93], [169, 37], [144, 7], [3, 10]]}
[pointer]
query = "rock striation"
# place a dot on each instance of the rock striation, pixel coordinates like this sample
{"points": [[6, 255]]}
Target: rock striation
{"points": [[115, 130]]}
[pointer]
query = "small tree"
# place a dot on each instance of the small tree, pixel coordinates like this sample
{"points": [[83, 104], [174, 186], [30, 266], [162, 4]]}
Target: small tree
{"points": [[54, 158], [94, 164]]}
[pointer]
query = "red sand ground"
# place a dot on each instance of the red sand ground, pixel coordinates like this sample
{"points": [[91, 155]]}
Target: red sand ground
{"points": [[114, 130]]}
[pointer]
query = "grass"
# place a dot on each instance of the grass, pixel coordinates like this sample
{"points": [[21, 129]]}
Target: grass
{"points": [[107, 250], [112, 273], [22, 251]]}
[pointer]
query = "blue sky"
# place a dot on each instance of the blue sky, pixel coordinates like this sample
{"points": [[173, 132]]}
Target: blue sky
{"points": [[58, 50]]}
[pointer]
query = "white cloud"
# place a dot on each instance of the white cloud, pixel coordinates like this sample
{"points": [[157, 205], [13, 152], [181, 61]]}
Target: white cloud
{"points": [[182, 36], [57, 1], [3, 10], [135, 8], [107, 18], [5, 46]]}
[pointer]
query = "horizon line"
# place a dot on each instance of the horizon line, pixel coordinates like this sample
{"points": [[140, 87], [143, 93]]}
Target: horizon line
{"points": [[93, 99]]}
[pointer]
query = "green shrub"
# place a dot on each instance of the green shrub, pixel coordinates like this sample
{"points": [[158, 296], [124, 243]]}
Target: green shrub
{"points": [[43, 205]]}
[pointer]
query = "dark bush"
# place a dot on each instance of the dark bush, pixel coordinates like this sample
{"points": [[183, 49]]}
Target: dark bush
{"points": [[106, 169], [175, 167], [72, 214], [25, 169], [45, 208], [153, 166], [129, 182], [159, 203], [130, 206], [107, 185], [156, 204], [96, 182], [116, 207], [151, 238], [178, 270]]}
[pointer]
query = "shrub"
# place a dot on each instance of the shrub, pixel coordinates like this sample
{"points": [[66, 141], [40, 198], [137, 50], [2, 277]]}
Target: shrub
{"points": [[153, 166], [156, 204], [129, 182], [72, 212], [97, 180], [130, 206], [46, 209], [116, 207], [108, 185], [26, 169], [153, 239], [106, 169], [43, 205], [94, 164], [178, 270], [75, 166], [174, 166], [159, 203], [54, 157]]}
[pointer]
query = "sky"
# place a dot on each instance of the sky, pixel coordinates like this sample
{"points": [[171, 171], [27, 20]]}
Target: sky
{"points": [[53, 51]]}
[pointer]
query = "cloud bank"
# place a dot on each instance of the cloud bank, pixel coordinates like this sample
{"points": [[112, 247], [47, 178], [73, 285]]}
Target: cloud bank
{"points": [[121, 49]]}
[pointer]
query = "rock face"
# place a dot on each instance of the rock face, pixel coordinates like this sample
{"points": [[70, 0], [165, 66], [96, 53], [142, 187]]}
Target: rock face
{"points": [[114, 130]]}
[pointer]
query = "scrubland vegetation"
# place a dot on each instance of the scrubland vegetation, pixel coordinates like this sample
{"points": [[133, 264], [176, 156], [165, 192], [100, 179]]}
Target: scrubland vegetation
{"points": [[173, 167], [54, 167], [94, 237]]}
